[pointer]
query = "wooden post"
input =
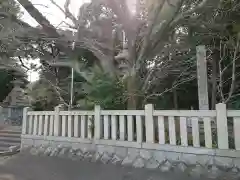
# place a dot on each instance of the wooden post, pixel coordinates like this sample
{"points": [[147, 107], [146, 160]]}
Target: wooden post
{"points": [[149, 123]]}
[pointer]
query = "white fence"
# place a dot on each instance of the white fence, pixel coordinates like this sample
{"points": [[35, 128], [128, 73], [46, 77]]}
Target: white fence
{"points": [[209, 129]]}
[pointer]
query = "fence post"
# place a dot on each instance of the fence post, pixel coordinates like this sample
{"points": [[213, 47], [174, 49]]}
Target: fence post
{"points": [[149, 123], [222, 128], [24, 121], [57, 124], [97, 122]]}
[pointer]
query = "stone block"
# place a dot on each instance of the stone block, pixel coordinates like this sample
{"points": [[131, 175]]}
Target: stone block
{"points": [[197, 171], [76, 145], [48, 151], [139, 163], [166, 166], [105, 149], [55, 151], [88, 155], [33, 151], [25, 148], [152, 164], [63, 153], [235, 170], [172, 156], [71, 153], [39, 142], [159, 156], [41, 149], [87, 147], [97, 157], [66, 144], [146, 154], [236, 162], [121, 152], [106, 158], [133, 152], [224, 162], [54, 143], [180, 167], [116, 160], [233, 173], [14, 148], [79, 154], [27, 142], [190, 159], [214, 172], [129, 160], [205, 160]]}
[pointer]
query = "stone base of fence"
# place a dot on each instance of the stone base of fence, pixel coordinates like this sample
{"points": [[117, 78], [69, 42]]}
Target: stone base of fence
{"points": [[200, 162]]}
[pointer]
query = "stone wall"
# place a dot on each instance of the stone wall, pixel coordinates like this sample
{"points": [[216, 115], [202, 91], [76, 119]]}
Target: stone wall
{"points": [[193, 161]]}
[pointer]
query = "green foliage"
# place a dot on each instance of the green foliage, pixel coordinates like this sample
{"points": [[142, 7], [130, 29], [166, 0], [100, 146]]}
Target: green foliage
{"points": [[5, 84], [234, 103], [9, 6], [43, 96], [105, 91]]}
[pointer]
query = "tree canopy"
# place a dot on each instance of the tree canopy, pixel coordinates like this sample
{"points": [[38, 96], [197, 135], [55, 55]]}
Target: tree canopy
{"points": [[150, 51]]}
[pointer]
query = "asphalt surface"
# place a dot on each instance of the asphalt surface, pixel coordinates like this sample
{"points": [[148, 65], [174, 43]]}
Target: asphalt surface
{"points": [[27, 167]]}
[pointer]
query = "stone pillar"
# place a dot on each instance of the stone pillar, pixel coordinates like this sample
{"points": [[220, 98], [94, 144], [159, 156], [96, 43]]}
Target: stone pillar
{"points": [[57, 120], [97, 122], [149, 123], [25, 119], [202, 78], [222, 127]]}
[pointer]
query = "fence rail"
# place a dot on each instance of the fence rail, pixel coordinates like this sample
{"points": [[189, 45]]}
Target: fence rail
{"points": [[210, 129]]}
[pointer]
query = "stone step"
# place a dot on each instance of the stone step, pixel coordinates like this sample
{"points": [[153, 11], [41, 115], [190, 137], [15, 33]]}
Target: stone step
{"points": [[3, 149], [9, 136], [10, 139], [10, 132], [4, 134], [8, 144]]}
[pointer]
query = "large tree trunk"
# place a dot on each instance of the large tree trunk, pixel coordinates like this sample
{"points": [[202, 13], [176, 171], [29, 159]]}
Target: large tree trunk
{"points": [[175, 99], [132, 92]]}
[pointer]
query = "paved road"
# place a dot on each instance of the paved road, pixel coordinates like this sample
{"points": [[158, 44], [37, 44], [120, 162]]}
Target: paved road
{"points": [[26, 167]]}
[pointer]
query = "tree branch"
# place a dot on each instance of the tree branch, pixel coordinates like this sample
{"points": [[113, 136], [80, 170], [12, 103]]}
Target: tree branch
{"points": [[22, 64], [67, 13], [233, 72], [195, 9], [13, 18], [169, 89], [47, 27]]}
